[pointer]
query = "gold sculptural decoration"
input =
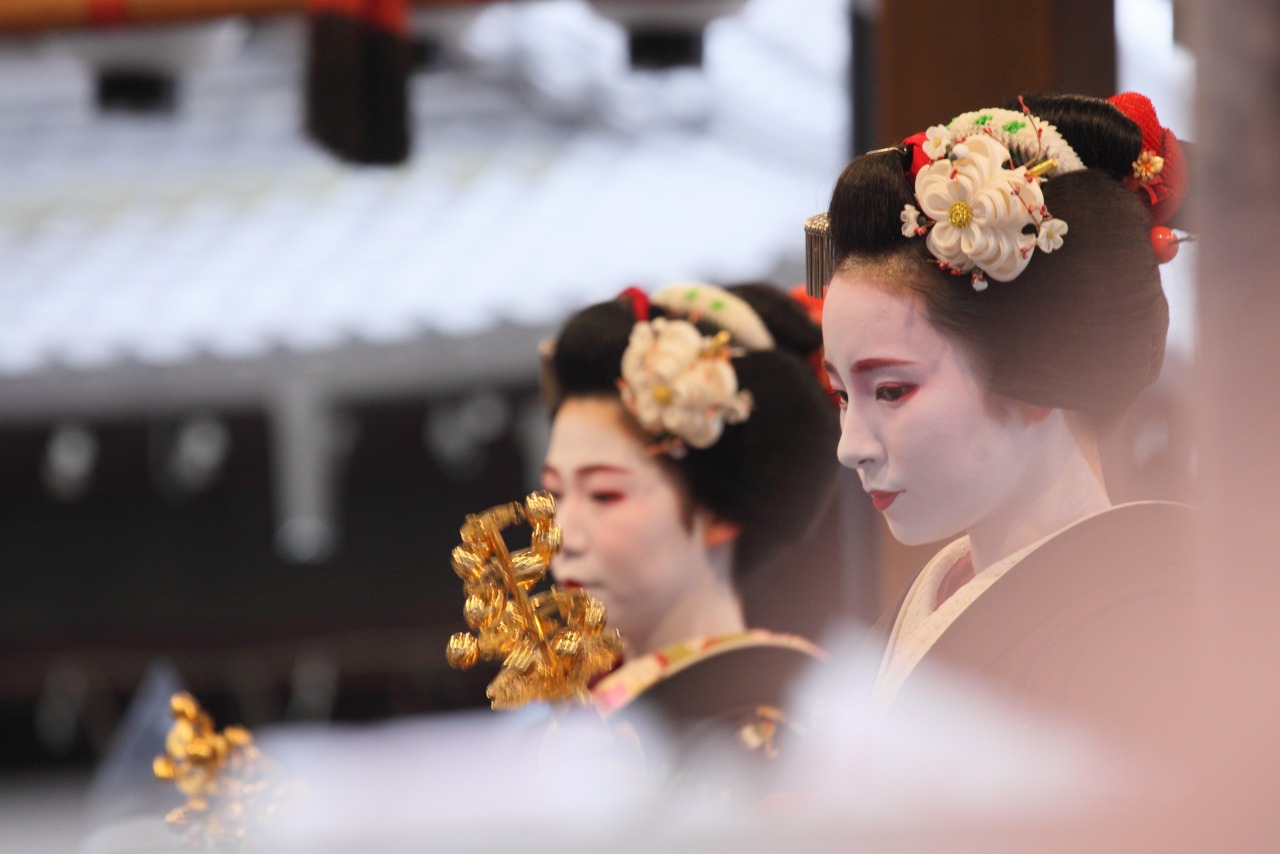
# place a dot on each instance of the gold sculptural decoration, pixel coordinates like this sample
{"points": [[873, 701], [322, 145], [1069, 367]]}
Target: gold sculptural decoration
{"points": [[551, 643], [223, 775]]}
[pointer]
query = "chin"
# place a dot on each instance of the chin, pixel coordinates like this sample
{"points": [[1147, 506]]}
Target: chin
{"points": [[612, 615], [914, 533]]}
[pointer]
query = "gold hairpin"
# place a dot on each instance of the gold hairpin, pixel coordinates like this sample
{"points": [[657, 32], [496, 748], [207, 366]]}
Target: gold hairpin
{"points": [[1043, 167], [551, 644]]}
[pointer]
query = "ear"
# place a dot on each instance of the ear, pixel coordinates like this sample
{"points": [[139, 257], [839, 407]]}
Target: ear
{"points": [[719, 530]]}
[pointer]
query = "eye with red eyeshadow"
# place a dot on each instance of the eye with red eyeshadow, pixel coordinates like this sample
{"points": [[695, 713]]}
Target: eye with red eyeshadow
{"points": [[552, 486], [895, 392], [606, 496], [839, 397]]}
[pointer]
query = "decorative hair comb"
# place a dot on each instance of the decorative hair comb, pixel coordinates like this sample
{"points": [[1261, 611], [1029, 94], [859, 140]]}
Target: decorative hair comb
{"points": [[977, 182], [679, 384], [819, 257], [551, 644], [977, 185]]}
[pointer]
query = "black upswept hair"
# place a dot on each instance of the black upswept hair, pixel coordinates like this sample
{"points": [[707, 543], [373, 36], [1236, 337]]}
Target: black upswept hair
{"points": [[1081, 329], [773, 473]]}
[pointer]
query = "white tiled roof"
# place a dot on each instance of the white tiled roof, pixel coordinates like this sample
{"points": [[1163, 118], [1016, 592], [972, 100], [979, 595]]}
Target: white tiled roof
{"points": [[545, 175]]}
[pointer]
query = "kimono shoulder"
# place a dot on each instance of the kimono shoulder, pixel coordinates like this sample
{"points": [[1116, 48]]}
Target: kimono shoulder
{"points": [[720, 690], [1096, 625]]}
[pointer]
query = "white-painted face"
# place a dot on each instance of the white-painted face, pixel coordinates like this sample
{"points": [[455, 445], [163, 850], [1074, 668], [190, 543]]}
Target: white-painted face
{"points": [[625, 539], [936, 452]]}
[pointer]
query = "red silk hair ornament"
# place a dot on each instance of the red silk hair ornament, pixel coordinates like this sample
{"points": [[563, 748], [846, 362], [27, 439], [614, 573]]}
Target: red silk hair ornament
{"points": [[919, 160], [813, 307], [1160, 172], [639, 303]]}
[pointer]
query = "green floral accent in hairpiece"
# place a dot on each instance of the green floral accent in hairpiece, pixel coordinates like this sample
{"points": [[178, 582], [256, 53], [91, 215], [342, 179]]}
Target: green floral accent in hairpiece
{"points": [[1014, 126], [717, 305], [981, 120]]}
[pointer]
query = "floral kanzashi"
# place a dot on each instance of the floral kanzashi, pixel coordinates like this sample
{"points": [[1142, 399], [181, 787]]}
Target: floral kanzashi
{"points": [[1030, 138], [978, 210], [937, 138], [1050, 236], [680, 385], [910, 217], [1147, 167]]}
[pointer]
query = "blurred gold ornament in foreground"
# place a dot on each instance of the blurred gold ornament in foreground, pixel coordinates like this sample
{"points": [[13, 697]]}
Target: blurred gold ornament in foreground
{"points": [[552, 643], [223, 775]]}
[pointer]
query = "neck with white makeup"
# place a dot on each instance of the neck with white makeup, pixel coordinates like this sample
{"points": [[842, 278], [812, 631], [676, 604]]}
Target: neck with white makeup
{"points": [[710, 607], [1060, 484]]}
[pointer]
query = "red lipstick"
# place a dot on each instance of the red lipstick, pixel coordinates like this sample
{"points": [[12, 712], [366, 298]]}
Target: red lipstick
{"points": [[882, 500], [570, 585]]}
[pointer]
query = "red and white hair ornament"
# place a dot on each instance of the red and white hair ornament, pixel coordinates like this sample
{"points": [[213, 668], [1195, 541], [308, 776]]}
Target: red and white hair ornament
{"points": [[1159, 174], [639, 302], [977, 184], [813, 307], [680, 385]]}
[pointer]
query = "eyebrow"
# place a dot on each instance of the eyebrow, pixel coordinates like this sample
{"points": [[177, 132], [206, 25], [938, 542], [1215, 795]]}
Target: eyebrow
{"points": [[602, 468], [863, 366], [588, 470]]}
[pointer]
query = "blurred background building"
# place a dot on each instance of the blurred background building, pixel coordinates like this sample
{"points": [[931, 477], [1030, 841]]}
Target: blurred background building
{"points": [[250, 388], [256, 367]]}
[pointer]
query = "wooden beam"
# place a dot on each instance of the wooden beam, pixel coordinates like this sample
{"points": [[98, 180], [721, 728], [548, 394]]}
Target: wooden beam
{"points": [[36, 15]]}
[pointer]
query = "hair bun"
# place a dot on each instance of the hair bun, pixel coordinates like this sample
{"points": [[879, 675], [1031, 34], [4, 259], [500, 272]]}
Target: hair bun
{"points": [[787, 321], [772, 472], [1082, 330]]}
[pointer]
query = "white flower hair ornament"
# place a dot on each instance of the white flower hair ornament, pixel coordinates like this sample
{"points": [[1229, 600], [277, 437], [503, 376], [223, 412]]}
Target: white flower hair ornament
{"points": [[979, 214], [679, 384]]}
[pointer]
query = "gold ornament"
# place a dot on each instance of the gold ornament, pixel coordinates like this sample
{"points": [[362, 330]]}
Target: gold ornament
{"points": [[718, 347], [223, 775], [551, 644], [1043, 167], [960, 214]]}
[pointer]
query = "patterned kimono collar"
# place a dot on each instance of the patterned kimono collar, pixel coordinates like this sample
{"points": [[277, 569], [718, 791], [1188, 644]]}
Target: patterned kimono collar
{"points": [[632, 679]]}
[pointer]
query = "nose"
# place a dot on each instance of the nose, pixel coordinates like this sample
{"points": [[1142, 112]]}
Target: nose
{"points": [[573, 535], [859, 448]]}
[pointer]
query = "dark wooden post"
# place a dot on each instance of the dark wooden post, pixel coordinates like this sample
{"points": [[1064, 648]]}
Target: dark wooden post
{"points": [[935, 59]]}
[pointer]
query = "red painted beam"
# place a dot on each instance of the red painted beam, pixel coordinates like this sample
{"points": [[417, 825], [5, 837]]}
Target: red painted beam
{"points": [[35, 15]]}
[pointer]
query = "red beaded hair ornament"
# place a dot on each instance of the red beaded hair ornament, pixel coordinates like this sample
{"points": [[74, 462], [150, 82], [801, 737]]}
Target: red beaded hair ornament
{"points": [[1159, 173]]}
